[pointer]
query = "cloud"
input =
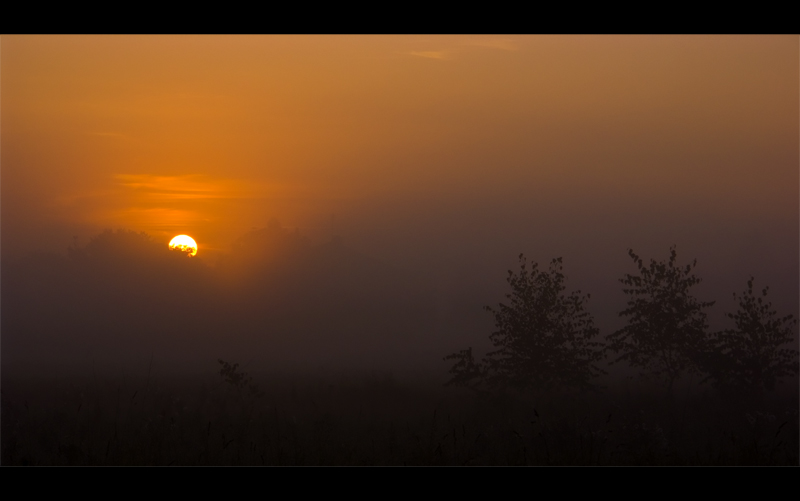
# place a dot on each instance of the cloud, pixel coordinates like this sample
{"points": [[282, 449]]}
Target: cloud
{"points": [[158, 218], [154, 203], [108, 134], [506, 44], [187, 187], [431, 54]]}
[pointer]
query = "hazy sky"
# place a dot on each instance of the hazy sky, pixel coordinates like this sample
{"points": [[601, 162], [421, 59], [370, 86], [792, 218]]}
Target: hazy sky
{"points": [[447, 153]]}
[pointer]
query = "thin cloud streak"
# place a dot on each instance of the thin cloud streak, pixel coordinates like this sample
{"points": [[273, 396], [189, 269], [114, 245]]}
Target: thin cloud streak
{"points": [[504, 44], [431, 54], [106, 134], [497, 43], [187, 187]]}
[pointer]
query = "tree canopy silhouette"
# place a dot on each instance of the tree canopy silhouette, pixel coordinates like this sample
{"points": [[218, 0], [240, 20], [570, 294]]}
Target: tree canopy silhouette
{"points": [[666, 335], [545, 338], [754, 355]]}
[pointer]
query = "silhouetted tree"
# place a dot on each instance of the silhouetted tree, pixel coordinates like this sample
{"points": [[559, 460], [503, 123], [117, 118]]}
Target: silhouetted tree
{"points": [[754, 355], [666, 335], [544, 337]]}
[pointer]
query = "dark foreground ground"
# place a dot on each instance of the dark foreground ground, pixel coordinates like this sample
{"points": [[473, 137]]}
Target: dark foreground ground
{"points": [[374, 420]]}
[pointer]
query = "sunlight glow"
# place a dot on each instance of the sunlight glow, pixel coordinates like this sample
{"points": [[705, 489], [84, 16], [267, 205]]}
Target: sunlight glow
{"points": [[184, 243]]}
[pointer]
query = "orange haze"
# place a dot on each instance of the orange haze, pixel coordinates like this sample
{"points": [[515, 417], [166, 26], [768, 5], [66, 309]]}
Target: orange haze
{"points": [[407, 146], [445, 155]]}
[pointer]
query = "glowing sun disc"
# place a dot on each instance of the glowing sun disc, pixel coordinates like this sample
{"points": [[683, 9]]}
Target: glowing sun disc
{"points": [[184, 243]]}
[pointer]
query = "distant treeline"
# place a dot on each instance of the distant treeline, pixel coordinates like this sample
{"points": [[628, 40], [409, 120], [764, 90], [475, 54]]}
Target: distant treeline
{"points": [[545, 339], [277, 300], [280, 301]]}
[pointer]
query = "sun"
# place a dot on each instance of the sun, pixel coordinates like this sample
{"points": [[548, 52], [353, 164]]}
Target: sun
{"points": [[184, 243]]}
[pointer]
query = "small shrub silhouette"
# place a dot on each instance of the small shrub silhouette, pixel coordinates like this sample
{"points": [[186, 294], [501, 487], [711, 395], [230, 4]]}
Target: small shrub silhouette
{"points": [[240, 380]]}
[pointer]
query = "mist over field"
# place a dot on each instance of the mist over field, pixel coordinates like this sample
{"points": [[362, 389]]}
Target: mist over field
{"points": [[277, 302], [357, 202]]}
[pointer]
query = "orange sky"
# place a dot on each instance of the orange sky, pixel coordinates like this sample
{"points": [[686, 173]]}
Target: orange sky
{"points": [[212, 136]]}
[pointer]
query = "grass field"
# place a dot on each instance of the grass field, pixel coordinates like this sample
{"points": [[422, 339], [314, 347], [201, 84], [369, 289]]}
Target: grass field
{"points": [[375, 420]]}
